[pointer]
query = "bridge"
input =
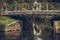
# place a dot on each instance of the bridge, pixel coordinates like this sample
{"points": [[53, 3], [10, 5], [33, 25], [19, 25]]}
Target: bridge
{"points": [[41, 9]]}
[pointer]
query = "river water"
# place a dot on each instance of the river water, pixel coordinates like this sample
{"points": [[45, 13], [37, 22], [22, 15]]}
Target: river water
{"points": [[10, 35], [13, 36]]}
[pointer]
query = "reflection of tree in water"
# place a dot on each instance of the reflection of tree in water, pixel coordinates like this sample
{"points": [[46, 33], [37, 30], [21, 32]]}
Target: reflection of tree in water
{"points": [[46, 26]]}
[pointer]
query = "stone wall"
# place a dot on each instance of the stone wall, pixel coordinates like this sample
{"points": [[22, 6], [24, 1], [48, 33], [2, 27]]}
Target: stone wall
{"points": [[14, 26]]}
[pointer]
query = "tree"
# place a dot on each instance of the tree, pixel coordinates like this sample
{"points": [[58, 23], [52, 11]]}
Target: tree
{"points": [[29, 1]]}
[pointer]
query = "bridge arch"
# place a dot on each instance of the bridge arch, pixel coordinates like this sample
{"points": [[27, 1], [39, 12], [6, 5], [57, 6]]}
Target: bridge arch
{"points": [[27, 25]]}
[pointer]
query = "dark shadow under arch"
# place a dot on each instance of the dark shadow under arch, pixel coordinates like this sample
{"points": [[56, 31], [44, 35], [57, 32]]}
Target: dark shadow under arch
{"points": [[27, 27]]}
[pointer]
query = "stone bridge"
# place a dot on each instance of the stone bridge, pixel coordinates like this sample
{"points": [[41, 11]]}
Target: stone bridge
{"points": [[28, 18], [31, 16]]}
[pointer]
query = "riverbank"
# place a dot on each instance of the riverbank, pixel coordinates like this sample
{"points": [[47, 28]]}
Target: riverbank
{"points": [[6, 20], [9, 24]]}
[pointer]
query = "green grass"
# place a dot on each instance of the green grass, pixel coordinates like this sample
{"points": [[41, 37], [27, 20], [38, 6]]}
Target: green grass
{"points": [[5, 20]]}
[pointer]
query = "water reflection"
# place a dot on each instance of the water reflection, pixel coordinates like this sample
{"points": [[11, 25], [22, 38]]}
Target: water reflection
{"points": [[12, 35], [2, 36]]}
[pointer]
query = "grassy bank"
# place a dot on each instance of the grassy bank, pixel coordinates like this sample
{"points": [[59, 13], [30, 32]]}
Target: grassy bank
{"points": [[5, 20]]}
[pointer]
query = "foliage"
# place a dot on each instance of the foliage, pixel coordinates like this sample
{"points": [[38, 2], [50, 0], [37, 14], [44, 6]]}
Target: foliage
{"points": [[5, 21], [59, 23], [52, 7], [43, 6], [45, 25]]}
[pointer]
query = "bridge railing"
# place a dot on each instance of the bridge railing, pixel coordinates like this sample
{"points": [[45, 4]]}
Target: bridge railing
{"points": [[32, 6]]}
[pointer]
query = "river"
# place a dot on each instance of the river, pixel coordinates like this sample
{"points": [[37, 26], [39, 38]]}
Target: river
{"points": [[15, 35], [10, 35]]}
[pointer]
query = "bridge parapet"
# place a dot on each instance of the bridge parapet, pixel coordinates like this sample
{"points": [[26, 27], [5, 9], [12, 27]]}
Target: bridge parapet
{"points": [[32, 6], [39, 8]]}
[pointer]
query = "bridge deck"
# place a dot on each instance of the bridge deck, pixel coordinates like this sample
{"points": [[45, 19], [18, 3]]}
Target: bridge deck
{"points": [[51, 12]]}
